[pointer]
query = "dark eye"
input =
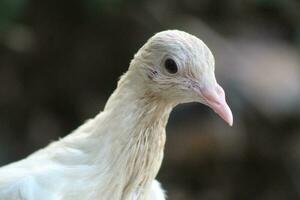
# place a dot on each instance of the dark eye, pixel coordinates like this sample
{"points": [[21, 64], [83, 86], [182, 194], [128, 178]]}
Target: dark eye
{"points": [[171, 66]]}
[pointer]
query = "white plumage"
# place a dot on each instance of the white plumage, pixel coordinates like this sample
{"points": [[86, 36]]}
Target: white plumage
{"points": [[117, 154]]}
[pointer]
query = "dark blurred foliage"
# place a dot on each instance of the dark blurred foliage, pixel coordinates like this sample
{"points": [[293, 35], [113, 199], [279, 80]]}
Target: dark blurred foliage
{"points": [[60, 61]]}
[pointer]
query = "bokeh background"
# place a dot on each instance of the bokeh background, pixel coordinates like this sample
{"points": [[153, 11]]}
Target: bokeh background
{"points": [[60, 61]]}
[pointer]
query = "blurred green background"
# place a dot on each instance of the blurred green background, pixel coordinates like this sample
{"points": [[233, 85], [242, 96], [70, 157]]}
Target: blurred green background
{"points": [[60, 61]]}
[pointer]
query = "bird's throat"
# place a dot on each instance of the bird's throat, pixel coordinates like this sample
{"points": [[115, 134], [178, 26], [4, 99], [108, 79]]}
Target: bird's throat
{"points": [[138, 136], [122, 146]]}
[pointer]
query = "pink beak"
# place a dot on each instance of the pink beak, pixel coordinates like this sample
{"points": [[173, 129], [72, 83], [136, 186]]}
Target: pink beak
{"points": [[214, 97]]}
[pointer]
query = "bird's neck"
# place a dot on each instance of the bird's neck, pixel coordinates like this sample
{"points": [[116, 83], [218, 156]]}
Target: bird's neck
{"points": [[131, 136]]}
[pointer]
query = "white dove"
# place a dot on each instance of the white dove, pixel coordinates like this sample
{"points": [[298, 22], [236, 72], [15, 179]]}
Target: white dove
{"points": [[117, 154]]}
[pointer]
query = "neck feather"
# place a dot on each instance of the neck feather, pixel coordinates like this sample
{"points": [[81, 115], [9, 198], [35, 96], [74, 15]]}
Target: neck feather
{"points": [[126, 140], [142, 116]]}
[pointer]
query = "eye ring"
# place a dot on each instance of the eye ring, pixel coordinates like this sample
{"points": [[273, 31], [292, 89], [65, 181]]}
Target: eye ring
{"points": [[171, 66]]}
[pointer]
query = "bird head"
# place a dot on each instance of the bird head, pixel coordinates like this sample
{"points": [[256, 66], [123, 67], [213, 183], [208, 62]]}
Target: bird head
{"points": [[179, 67]]}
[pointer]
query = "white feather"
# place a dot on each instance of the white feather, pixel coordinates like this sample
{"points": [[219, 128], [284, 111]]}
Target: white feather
{"points": [[117, 154]]}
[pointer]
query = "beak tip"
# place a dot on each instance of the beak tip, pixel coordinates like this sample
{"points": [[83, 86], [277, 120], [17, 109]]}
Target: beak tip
{"points": [[225, 113], [230, 123], [229, 119]]}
